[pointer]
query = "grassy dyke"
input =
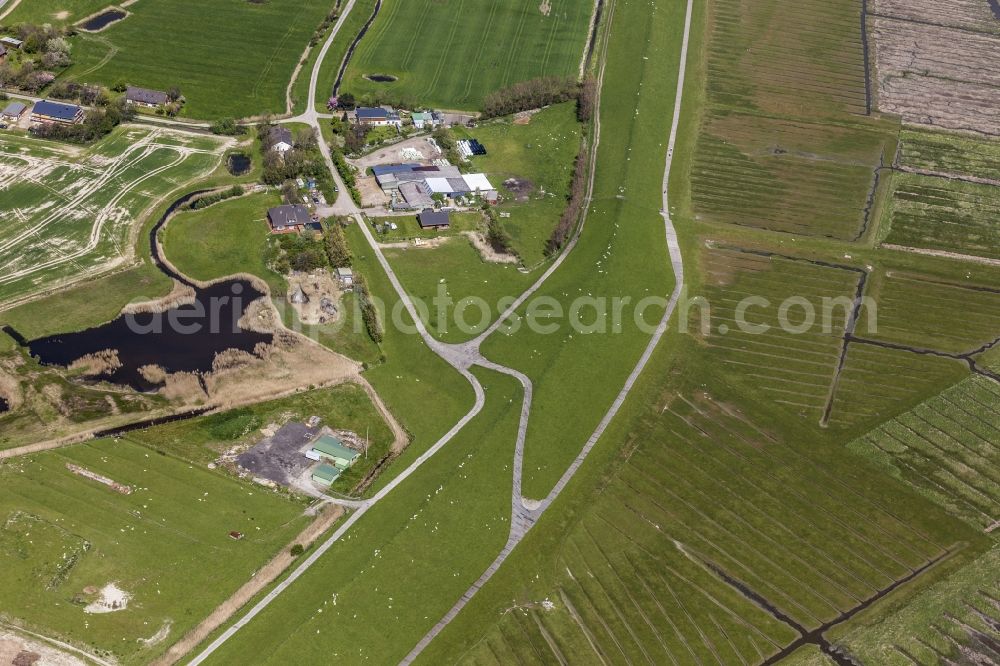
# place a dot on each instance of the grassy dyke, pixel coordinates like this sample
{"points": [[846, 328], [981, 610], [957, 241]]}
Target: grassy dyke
{"points": [[425, 394], [499, 43], [167, 543], [209, 56], [586, 370]]}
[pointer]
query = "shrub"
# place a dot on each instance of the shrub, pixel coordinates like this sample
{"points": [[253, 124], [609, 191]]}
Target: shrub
{"points": [[297, 550], [531, 94], [337, 250], [369, 313], [227, 127], [577, 190]]}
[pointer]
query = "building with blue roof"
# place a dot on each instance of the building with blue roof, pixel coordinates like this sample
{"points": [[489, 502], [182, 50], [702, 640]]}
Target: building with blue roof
{"points": [[56, 112], [377, 117]]}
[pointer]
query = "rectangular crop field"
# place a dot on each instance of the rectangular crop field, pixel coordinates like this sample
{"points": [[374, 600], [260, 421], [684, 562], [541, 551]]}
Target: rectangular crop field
{"points": [[942, 214], [789, 57], [786, 175], [947, 448], [919, 310], [793, 368], [453, 53], [937, 153], [68, 213], [228, 57], [64, 537]]}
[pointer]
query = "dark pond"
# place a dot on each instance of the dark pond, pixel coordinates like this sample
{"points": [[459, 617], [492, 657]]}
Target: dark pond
{"points": [[104, 19], [381, 78], [183, 339], [239, 164]]}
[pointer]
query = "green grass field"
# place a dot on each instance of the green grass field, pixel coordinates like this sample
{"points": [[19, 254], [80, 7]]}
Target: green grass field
{"points": [[452, 54], [540, 156], [70, 213], [55, 12], [620, 254], [224, 239], [457, 273], [230, 58], [957, 615], [946, 448], [166, 544], [353, 24]]}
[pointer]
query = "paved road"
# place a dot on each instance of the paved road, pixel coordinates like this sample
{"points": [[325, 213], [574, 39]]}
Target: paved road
{"points": [[464, 356], [524, 518]]}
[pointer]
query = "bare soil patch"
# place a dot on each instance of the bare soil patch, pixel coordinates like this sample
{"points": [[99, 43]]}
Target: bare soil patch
{"points": [[487, 252], [371, 194], [18, 649], [938, 65], [315, 297]]}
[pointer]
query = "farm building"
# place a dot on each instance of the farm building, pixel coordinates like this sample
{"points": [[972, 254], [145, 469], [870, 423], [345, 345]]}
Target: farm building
{"points": [[145, 97], [55, 112], [433, 219], [13, 111], [288, 218], [331, 449], [281, 139], [377, 117], [3, 52], [325, 474], [414, 195], [10, 42], [458, 186], [427, 119], [345, 276]]}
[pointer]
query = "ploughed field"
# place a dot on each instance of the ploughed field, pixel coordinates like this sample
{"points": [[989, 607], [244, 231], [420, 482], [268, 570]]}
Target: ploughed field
{"points": [[453, 53], [939, 65], [228, 57], [69, 213]]}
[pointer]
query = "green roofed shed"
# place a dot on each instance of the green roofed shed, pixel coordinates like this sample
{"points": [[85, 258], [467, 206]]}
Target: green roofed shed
{"points": [[325, 474], [332, 449]]}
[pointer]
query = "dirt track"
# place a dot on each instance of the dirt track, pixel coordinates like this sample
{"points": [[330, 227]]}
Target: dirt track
{"points": [[264, 577]]}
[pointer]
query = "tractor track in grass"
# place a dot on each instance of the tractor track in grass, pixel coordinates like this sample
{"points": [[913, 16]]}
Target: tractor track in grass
{"points": [[463, 357]]}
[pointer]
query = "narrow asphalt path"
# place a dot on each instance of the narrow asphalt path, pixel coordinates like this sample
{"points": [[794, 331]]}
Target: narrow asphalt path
{"points": [[463, 357], [523, 517]]}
